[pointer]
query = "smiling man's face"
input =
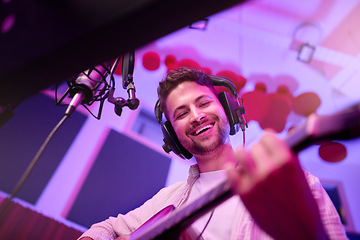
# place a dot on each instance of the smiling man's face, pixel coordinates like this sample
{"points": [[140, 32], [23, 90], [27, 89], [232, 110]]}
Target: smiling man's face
{"points": [[197, 117]]}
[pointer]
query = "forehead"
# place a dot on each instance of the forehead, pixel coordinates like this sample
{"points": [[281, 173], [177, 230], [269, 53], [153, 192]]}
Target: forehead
{"points": [[185, 93]]}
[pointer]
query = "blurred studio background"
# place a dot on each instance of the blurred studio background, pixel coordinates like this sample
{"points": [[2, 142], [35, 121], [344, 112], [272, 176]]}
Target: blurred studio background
{"points": [[288, 59]]}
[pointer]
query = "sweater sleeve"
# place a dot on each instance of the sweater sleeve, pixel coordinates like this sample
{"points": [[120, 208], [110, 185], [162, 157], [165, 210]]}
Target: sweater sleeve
{"points": [[113, 227]]}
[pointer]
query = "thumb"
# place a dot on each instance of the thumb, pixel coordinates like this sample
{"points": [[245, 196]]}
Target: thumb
{"points": [[234, 178]]}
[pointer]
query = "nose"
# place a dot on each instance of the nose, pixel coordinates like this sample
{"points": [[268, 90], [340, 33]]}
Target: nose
{"points": [[197, 115]]}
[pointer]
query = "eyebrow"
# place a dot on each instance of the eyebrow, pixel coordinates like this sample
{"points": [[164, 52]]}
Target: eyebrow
{"points": [[196, 100]]}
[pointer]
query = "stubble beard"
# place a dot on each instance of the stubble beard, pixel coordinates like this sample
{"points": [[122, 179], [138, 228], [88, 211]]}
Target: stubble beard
{"points": [[204, 148]]}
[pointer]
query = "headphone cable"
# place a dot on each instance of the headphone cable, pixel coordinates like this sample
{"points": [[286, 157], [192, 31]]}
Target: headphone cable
{"points": [[207, 223]]}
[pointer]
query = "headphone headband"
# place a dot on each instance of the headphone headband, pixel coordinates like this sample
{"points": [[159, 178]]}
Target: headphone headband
{"points": [[224, 82]]}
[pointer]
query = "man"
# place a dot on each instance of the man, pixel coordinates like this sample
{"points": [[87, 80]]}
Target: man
{"points": [[278, 200]]}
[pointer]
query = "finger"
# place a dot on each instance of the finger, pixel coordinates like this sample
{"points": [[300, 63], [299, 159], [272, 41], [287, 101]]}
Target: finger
{"points": [[270, 131], [245, 160], [234, 178], [262, 161], [241, 176], [277, 149]]}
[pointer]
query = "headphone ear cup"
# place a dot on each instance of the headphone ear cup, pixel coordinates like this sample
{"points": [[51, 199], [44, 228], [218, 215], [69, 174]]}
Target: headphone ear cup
{"points": [[232, 111], [172, 143]]}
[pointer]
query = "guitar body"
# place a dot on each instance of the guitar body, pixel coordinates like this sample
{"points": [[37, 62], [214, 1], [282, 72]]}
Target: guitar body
{"points": [[188, 234]]}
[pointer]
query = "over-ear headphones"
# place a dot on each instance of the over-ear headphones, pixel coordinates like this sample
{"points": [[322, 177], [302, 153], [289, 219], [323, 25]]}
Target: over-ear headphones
{"points": [[233, 109]]}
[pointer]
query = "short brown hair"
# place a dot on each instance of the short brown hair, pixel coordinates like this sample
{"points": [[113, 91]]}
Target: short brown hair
{"points": [[179, 75]]}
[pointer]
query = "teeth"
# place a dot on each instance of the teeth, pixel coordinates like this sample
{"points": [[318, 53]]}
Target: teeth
{"points": [[202, 129]]}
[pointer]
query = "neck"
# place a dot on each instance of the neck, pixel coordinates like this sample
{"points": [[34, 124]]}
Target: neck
{"points": [[216, 159]]}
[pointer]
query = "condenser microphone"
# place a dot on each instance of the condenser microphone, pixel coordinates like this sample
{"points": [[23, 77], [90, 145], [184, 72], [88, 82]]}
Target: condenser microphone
{"points": [[87, 85], [75, 102]]}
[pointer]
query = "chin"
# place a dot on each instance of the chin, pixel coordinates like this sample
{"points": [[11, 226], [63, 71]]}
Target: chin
{"points": [[208, 144], [205, 149]]}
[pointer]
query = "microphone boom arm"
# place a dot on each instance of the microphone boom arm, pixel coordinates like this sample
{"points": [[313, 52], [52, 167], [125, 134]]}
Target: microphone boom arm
{"points": [[128, 84]]}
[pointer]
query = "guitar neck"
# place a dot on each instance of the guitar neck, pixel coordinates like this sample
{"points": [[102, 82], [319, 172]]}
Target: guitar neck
{"points": [[343, 125]]}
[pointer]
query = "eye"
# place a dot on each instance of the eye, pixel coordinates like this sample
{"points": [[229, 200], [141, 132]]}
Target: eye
{"points": [[181, 115], [204, 104]]}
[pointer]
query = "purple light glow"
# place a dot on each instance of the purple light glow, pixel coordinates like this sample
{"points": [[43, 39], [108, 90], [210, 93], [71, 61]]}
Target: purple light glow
{"points": [[8, 23]]}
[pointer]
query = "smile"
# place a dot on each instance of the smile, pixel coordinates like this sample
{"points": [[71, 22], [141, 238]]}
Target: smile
{"points": [[202, 129]]}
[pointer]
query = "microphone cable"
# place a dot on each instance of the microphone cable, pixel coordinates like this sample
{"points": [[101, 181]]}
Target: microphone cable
{"points": [[30, 167]]}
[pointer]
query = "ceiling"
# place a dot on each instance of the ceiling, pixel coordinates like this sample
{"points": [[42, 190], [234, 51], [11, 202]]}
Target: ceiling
{"points": [[45, 42]]}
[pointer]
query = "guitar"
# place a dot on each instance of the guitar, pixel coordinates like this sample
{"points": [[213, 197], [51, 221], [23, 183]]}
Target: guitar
{"points": [[342, 125]]}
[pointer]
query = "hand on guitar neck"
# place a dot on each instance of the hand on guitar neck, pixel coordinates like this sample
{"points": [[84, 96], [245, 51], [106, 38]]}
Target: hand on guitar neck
{"points": [[273, 187], [272, 184]]}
